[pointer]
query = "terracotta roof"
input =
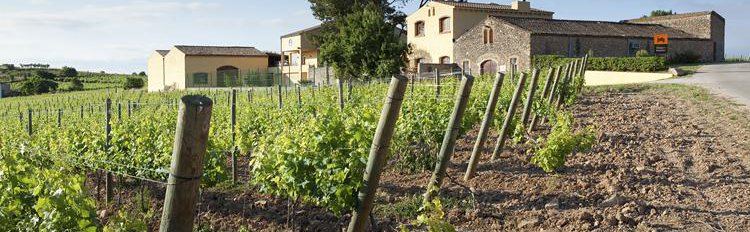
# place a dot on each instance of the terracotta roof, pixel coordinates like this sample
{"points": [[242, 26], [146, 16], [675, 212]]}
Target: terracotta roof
{"points": [[594, 28], [303, 31], [162, 52], [485, 6], [219, 51], [674, 16]]}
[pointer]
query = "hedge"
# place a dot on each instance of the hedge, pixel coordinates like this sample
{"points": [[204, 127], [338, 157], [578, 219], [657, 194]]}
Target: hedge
{"points": [[618, 64]]}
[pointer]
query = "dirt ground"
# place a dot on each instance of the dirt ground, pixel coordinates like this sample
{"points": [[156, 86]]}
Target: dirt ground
{"points": [[668, 158]]}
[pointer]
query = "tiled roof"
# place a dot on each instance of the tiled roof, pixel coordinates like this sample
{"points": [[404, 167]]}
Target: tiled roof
{"points": [[674, 16], [162, 52], [219, 51], [303, 31], [594, 28], [485, 6]]}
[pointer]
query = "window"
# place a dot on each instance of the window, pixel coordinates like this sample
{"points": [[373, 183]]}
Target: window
{"points": [[200, 78], [489, 36], [419, 29], [445, 25], [445, 60]]}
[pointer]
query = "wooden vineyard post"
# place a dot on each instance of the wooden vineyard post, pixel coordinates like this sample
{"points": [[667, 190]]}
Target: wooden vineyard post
{"points": [[412, 83], [81, 111], [545, 93], [30, 126], [299, 96], [281, 104], [191, 139], [437, 84], [234, 135], [530, 98], [108, 130], [509, 117], [489, 113], [553, 89], [351, 87], [130, 108], [59, 117], [449, 140], [341, 94], [378, 153]]}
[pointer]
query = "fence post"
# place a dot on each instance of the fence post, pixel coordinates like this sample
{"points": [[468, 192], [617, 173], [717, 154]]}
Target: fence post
{"points": [[30, 125], [378, 153], [108, 129], [299, 96], [119, 111], [341, 94], [130, 108], [281, 104], [545, 92], [449, 140], [191, 138], [530, 98], [489, 113], [59, 117], [351, 86], [437, 84], [234, 135], [81, 111], [509, 117], [564, 84]]}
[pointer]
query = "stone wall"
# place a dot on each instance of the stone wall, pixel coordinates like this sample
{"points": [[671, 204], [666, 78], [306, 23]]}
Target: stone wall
{"points": [[709, 25], [509, 42], [613, 46]]}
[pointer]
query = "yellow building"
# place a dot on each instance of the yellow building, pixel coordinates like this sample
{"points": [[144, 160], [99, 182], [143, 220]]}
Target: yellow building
{"points": [[434, 28], [185, 67], [298, 54]]}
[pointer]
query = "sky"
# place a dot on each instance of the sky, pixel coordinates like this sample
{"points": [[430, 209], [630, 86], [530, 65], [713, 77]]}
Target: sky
{"points": [[119, 35]]}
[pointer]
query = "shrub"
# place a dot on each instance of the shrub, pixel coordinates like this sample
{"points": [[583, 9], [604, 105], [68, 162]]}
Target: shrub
{"points": [[75, 85], [68, 72], [44, 74], [687, 57], [36, 85], [642, 53], [618, 64], [561, 142], [134, 83]]}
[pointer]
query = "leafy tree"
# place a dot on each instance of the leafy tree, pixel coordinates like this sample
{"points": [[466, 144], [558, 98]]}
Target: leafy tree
{"points": [[134, 83], [44, 74], [142, 73], [657, 13], [362, 43], [331, 10], [37, 85], [134, 74], [68, 72], [76, 85]]}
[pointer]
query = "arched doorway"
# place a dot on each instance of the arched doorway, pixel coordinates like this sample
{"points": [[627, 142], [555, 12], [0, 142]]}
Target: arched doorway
{"points": [[227, 76], [488, 67]]}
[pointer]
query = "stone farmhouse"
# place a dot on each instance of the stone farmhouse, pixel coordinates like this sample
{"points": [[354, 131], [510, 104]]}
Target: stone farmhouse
{"points": [[488, 37]]}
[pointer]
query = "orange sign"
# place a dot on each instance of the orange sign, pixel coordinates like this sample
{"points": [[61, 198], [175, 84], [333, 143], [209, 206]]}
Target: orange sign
{"points": [[661, 39]]}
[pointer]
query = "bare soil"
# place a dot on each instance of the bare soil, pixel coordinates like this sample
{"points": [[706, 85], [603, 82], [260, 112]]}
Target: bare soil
{"points": [[667, 159]]}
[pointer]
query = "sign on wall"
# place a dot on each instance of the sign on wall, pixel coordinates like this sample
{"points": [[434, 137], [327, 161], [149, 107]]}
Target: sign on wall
{"points": [[661, 43]]}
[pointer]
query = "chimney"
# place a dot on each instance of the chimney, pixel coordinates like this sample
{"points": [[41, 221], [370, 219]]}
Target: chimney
{"points": [[522, 6]]}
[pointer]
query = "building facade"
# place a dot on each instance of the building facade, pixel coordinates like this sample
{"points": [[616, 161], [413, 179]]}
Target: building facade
{"points": [[185, 67], [487, 37], [298, 54]]}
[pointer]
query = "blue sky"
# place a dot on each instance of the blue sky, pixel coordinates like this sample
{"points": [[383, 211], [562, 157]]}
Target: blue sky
{"points": [[118, 36]]}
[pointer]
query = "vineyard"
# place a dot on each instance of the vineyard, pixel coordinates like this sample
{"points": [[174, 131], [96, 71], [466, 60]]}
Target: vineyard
{"points": [[65, 158]]}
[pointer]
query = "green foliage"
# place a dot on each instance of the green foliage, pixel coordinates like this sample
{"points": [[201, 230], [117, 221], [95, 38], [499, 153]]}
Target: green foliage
{"points": [[432, 217], [618, 64], [657, 13], [76, 85], [687, 57], [562, 142], [642, 53], [332, 10], [363, 45], [134, 83], [68, 72], [43, 74], [37, 85], [142, 73]]}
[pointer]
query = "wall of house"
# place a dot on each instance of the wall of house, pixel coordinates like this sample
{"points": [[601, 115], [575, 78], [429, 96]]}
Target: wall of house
{"points": [[209, 64], [433, 44], [708, 26], [577, 46], [155, 72], [174, 66], [4, 90], [509, 42]]}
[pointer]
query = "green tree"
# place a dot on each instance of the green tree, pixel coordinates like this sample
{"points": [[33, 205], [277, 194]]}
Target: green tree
{"points": [[43, 74], [142, 73], [362, 44], [331, 10], [68, 72], [37, 85], [657, 13], [76, 85], [134, 83]]}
